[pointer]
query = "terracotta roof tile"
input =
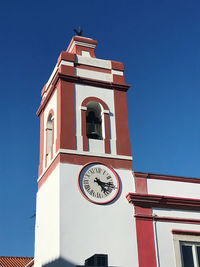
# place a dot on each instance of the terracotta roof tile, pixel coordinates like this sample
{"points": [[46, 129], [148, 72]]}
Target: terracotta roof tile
{"points": [[15, 261]]}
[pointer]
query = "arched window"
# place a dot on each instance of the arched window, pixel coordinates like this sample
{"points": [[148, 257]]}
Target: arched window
{"points": [[93, 120], [49, 133]]}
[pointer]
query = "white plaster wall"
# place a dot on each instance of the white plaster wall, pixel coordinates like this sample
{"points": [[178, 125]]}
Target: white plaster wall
{"points": [[94, 62], [47, 228], [107, 77], [96, 146], [52, 104], [176, 213], [164, 240], [87, 228], [84, 91], [173, 188]]}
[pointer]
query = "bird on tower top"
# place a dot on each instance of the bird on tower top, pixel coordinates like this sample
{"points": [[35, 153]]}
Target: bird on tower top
{"points": [[79, 31]]}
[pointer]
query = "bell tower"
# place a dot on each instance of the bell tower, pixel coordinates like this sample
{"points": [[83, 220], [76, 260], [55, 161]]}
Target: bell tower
{"points": [[85, 168]]}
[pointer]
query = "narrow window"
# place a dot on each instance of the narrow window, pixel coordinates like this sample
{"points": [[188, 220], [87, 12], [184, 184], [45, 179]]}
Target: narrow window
{"points": [[190, 254], [187, 256], [49, 133], [93, 120]]}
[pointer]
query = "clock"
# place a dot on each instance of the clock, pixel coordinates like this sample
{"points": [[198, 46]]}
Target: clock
{"points": [[98, 183]]}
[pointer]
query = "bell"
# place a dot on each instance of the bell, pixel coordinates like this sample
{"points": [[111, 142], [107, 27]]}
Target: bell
{"points": [[92, 126], [92, 131]]}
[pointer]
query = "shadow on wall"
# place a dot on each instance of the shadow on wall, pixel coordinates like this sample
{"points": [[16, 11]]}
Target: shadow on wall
{"points": [[100, 260], [59, 263]]}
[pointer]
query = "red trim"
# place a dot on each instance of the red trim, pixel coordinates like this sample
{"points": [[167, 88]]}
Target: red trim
{"points": [[96, 99], [119, 79], [49, 171], [83, 159], [117, 65], [66, 70], [65, 116], [40, 169], [167, 177], [66, 56], [167, 219], [98, 69], [185, 232], [145, 200], [143, 211], [95, 202], [121, 121], [58, 115], [145, 241], [140, 185], [43, 90], [83, 127], [107, 134], [81, 39]]}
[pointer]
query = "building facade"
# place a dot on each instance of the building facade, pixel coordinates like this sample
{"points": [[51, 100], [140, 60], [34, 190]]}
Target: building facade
{"points": [[89, 201]]}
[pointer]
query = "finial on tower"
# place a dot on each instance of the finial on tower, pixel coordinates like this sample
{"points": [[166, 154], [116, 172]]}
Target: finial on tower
{"points": [[79, 31]]}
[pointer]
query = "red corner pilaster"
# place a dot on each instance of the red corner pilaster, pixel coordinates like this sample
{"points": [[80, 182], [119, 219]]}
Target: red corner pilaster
{"points": [[83, 126], [107, 134], [145, 238], [121, 120], [65, 116], [140, 183], [66, 56]]}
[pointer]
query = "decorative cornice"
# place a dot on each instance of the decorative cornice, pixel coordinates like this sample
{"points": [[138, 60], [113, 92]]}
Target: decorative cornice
{"points": [[80, 80], [149, 201]]}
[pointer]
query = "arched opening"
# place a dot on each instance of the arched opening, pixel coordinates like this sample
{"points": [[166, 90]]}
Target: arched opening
{"points": [[93, 120], [49, 135]]}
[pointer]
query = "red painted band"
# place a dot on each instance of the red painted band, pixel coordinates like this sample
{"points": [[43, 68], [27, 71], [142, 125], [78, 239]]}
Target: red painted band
{"points": [[140, 185], [167, 219], [115, 65], [65, 56], [98, 69], [167, 177], [145, 200], [185, 232]]}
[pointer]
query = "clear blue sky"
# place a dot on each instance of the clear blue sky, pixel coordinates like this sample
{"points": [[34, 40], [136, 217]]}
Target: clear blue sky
{"points": [[158, 41]]}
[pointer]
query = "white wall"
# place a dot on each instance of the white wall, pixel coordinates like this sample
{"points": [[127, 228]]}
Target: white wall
{"points": [[173, 188], [47, 227], [87, 228]]}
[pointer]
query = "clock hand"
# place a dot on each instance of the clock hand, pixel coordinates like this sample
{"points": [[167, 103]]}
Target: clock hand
{"points": [[105, 187], [102, 184], [111, 185]]}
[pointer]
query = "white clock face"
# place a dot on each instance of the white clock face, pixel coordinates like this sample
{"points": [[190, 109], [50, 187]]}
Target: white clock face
{"points": [[98, 183]]}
